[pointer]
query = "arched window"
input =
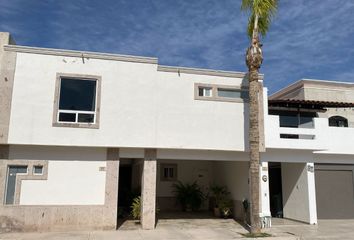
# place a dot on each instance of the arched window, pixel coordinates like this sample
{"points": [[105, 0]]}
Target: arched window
{"points": [[338, 121]]}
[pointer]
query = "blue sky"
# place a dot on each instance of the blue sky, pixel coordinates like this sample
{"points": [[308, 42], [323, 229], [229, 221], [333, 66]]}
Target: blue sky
{"points": [[308, 38]]}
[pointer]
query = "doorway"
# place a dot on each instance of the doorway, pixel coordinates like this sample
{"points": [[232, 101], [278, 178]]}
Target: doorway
{"points": [[275, 189], [124, 190]]}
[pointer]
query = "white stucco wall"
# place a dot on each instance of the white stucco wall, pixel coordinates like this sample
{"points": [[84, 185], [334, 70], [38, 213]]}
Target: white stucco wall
{"points": [[140, 107], [299, 195], [69, 183], [234, 175], [287, 155], [73, 176], [187, 172]]}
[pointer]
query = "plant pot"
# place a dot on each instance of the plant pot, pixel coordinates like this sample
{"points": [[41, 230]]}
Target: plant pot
{"points": [[226, 212], [217, 212]]}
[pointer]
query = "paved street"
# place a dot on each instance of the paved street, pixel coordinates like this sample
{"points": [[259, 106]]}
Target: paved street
{"points": [[202, 229]]}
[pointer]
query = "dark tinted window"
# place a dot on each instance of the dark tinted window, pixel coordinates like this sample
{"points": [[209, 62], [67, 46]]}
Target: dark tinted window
{"points": [[338, 121], [294, 119], [88, 118], [67, 117], [77, 94]]}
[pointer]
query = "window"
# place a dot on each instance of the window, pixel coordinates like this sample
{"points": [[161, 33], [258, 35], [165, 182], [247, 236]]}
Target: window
{"points": [[77, 100], [294, 119], [12, 172], [205, 91], [338, 121], [37, 170], [224, 93], [168, 172], [232, 93]]}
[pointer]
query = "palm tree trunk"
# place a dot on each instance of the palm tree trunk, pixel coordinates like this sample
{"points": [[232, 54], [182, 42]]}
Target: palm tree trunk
{"points": [[254, 60], [254, 151]]}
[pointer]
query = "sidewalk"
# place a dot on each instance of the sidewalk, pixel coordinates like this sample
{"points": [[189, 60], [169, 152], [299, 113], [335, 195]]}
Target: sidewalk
{"points": [[174, 229]]}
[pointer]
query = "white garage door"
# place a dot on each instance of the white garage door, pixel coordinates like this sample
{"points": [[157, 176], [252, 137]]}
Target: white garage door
{"points": [[334, 194]]}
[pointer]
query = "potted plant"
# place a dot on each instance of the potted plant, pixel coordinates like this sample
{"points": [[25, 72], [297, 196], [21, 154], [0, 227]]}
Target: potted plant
{"points": [[190, 196], [226, 208], [219, 193]]}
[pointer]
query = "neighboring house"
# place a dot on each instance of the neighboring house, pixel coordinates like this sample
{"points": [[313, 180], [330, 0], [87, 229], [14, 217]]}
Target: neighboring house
{"points": [[79, 130], [316, 120]]}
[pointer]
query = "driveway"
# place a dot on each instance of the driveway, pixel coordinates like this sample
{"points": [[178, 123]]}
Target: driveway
{"points": [[325, 229], [220, 229]]}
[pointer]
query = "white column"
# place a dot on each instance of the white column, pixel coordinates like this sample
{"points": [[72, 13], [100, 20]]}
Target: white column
{"points": [[312, 193], [264, 195], [148, 190]]}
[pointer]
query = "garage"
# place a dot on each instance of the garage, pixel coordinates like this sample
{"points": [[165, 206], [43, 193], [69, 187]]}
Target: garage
{"points": [[334, 191]]}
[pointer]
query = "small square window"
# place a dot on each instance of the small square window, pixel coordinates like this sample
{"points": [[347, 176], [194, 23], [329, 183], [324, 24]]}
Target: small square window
{"points": [[168, 172], [205, 91], [38, 170]]}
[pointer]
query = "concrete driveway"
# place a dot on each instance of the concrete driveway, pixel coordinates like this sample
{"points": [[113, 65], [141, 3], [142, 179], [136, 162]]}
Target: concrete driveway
{"points": [[220, 229], [325, 229]]}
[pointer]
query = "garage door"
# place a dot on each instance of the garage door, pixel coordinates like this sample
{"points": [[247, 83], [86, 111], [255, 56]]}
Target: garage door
{"points": [[334, 194]]}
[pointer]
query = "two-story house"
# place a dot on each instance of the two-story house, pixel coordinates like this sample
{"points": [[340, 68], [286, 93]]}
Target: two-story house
{"points": [[79, 130]]}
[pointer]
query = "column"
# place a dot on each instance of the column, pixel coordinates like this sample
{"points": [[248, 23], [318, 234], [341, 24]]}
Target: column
{"points": [[111, 193], [148, 190], [312, 193], [264, 196]]}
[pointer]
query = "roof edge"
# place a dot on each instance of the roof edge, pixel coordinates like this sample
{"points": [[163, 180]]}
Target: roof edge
{"points": [[287, 89], [300, 84], [75, 53], [203, 71], [319, 81]]}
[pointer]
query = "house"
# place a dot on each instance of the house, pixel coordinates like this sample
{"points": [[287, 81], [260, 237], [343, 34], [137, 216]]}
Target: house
{"points": [[80, 130], [316, 120]]}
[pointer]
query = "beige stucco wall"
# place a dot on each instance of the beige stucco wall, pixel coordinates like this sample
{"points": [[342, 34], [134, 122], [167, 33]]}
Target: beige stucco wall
{"points": [[7, 70], [323, 92]]}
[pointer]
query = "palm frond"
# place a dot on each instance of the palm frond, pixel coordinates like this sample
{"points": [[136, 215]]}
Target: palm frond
{"points": [[264, 9]]}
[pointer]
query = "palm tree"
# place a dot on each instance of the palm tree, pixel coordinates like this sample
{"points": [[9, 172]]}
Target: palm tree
{"points": [[260, 15]]}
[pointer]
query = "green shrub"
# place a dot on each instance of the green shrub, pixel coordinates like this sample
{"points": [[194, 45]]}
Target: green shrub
{"points": [[190, 196], [136, 207], [219, 193]]}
